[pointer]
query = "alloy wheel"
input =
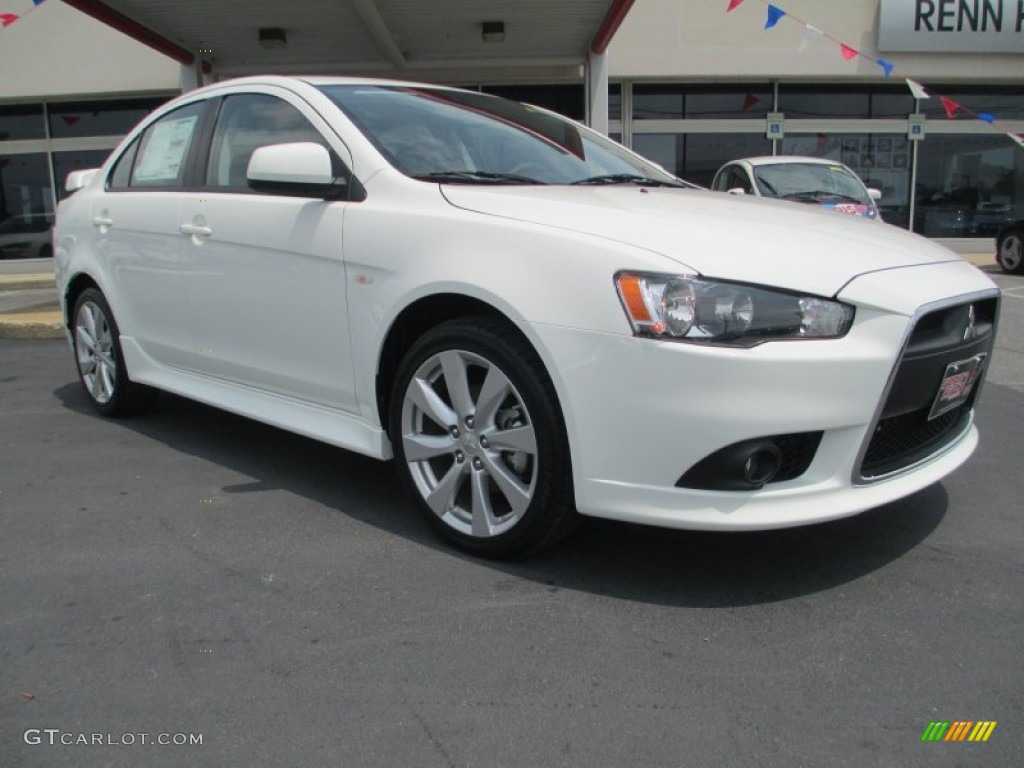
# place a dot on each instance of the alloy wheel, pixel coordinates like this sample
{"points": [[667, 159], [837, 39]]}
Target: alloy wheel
{"points": [[469, 443]]}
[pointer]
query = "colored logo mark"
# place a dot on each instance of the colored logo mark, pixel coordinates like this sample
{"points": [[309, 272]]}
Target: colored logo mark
{"points": [[959, 730]]}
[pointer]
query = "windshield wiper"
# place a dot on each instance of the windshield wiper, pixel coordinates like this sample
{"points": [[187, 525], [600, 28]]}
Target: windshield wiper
{"points": [[476, 177], [629, 178]]}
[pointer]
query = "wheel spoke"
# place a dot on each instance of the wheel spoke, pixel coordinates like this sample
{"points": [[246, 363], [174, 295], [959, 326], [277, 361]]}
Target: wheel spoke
{"points": [[516, 439], [86, 314], [427, 400], [483, 514], [493, 392], [442, 498], [455, 377], [420, 447], [85, 338], [517, 494], [106, 374]]}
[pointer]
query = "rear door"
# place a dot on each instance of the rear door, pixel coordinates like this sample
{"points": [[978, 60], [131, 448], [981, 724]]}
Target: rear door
{"points": [[135, 226]]}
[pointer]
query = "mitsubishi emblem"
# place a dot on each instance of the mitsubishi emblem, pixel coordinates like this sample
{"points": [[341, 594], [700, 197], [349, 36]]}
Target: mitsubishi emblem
{"points": [[971, 331]]}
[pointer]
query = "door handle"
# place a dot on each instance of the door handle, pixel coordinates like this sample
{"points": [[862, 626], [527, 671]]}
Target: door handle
{"points": [[195, 230], [102, 221]]}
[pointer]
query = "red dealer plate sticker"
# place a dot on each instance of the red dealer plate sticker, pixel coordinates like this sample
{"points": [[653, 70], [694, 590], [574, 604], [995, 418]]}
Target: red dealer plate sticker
{"points": [[956, 386]]}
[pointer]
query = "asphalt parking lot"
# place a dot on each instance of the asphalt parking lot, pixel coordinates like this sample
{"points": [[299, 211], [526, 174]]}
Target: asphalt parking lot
{"points": [[190, 572]]}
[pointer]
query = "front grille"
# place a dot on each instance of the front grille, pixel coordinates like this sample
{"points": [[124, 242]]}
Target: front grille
{"points": [[899, 441], [903, 434]]}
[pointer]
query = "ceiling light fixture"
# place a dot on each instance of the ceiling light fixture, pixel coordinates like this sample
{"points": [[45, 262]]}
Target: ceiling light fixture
{"points": [[493, 31], [273, 37]]}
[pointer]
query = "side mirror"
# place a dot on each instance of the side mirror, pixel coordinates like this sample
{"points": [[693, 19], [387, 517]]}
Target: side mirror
{"points": [[302, 168], [874, 194], [79, 179], [737, 191]]}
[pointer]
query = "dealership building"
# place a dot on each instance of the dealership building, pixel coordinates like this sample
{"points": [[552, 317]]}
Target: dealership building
{"points": [[689, 84]]}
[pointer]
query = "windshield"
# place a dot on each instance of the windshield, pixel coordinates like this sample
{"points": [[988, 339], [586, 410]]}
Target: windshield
{"points": [[811, 183], [454, 136]]}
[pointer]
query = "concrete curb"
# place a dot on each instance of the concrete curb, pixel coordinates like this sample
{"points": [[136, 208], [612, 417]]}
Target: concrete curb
{"points": [[41, 323], [27, 282], [32, 325]]}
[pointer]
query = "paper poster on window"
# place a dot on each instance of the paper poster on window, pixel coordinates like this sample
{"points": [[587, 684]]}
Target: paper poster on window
{"points": [[165, 150]]}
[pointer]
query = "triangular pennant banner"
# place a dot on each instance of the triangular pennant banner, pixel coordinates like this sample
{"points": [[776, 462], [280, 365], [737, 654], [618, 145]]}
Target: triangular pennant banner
{"points": [[917, 89], [847, 51], [886, 66], [37, 2], [733, 4], [6, 19], [950, 106], [774, 14], [987, 117], [70, 120], [1017, 139], [748, 101], [810, 35]]}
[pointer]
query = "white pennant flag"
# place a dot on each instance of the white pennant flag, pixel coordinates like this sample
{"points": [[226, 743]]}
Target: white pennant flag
{"points": [[917, 89], [1018, 139], [810, 35]]}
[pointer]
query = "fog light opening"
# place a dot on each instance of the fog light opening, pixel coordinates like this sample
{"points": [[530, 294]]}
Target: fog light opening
{"points": [[762, 464]]}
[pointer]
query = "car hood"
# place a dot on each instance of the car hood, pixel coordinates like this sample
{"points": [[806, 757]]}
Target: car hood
{"points": [[725, 236]]}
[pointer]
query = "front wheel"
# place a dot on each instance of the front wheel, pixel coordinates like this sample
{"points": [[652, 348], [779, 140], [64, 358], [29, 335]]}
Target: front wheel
{"points": [[1010, 252], [98, 355], [479, 439]]}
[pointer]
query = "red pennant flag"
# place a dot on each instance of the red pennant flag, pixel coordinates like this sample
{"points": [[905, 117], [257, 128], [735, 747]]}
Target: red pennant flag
{"points": [[748, 101], [951, 107], [70, 120], [733, 4], [6, 19], [848, 52]]}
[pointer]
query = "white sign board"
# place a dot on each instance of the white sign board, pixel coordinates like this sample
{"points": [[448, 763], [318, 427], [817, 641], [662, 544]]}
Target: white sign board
{"points": [[951, 26]]}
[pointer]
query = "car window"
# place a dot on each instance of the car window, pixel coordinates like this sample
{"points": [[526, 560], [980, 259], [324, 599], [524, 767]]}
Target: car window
{"points": [[121, 175], [247, 122], [164, 147], [810, 182], [431, 132]]}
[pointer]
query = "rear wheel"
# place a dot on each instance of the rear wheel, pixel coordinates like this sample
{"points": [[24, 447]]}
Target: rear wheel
{"points": [[479, 439], [1010, 252], [98, 356]]}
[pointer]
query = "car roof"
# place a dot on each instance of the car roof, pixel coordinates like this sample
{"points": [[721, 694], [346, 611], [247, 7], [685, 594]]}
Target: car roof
{"points": [[786, 160]]}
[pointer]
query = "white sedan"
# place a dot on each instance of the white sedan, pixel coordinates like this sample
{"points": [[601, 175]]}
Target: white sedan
{"points": [[533, 321]]}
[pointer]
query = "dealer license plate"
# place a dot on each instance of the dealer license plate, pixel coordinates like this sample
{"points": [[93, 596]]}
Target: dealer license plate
{"points": [[956, 386]]}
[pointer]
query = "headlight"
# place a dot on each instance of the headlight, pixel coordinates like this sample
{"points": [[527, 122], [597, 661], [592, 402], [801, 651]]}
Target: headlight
{"points": [[718, 312]]}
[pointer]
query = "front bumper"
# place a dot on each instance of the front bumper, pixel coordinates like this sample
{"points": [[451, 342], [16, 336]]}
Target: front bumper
{"points": [[641, 412]]}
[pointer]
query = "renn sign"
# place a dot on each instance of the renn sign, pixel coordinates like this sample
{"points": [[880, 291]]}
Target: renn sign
{"points": [[942, 26]]}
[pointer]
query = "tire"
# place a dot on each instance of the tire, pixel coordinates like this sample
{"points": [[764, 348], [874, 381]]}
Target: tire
{"points": [[99, 360], [479, 439], [1010, 251]]}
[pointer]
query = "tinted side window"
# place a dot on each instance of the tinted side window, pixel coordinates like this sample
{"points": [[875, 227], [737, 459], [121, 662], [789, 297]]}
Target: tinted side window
{"points": [[122, 173], [247, 122], [161, 156]]}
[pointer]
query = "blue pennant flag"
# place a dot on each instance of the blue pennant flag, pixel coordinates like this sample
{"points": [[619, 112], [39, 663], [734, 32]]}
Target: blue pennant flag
{"points": [[774, 14], [988, 118], [886, 65]]}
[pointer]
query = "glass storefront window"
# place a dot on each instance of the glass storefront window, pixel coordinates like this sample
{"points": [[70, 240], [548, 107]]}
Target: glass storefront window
{"points": [[882, 160], [694, 102], [77, 160], [564, 99], [968, 186], [1002, 102], [696, 156], [21, 121], [614, 101], [817, 101], [98, 118], [26, 212]]}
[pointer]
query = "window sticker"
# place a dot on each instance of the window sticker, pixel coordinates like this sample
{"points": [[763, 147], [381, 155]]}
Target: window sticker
{"points": [[165, 150]]}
